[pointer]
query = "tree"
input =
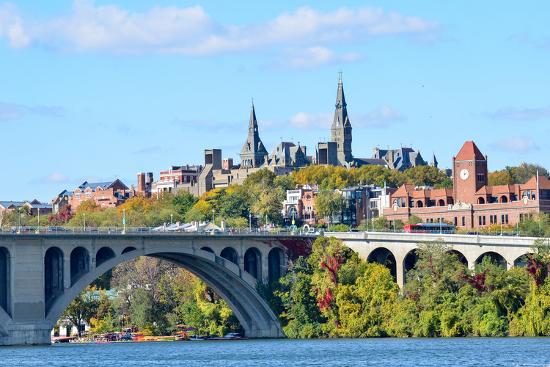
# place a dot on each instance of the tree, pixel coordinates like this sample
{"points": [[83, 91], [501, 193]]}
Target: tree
{"points": [[328, 203], [81, 309]]}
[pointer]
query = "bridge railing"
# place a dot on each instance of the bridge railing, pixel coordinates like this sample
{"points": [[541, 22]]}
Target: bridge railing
{"points": [[26, 230]]}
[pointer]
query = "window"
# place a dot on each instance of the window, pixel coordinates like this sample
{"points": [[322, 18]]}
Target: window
{"points": [[456, 221], [481, 177], [463, 221]]}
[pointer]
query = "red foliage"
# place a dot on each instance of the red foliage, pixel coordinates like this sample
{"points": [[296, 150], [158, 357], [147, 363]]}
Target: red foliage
{"points": [[477, 281], [62, 216], [324, 301], [537, 270], [332, 264]]}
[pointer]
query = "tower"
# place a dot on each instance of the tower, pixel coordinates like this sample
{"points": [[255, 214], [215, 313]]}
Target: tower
{"points": [[341, 127], [253, 153], [469, 173]]}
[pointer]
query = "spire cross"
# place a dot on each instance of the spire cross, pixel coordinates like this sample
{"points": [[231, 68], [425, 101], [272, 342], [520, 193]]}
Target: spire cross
{"points": [[340, 76]]}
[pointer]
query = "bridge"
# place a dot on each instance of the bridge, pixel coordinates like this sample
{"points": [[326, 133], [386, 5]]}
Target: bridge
{"points": [[40, 274], [397, 250]]}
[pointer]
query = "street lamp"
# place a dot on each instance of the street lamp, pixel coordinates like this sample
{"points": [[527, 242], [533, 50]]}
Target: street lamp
{"points": [[249, 222], [171, 218], [214, 216], [84, 215], [38, 229]]}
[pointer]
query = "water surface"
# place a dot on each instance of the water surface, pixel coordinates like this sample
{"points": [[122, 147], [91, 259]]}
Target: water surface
{"points": [[331, 352]]}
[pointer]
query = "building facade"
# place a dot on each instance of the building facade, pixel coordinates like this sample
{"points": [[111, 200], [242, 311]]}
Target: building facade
{"points": [[105, 194], [471, 202]]}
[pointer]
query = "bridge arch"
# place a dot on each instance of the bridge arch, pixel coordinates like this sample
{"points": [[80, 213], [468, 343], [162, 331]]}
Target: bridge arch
{"points": [[53, 276], [410, 259], [128, 249], [522, 260], [276, 264], [253, 262], [382, 255], [223, 277], [229, 253], [104, 254], [207, 249], [460, 256], [80, 263], [4, 279], [493, 257]]}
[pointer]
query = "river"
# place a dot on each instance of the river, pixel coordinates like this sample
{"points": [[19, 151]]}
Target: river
{"points": [[328, 352]]}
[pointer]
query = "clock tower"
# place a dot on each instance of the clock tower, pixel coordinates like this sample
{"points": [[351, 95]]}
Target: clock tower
{"points": [[469, 173]]}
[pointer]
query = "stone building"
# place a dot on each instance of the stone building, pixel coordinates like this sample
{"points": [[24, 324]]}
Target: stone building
{"points": [[471, 202], [402, 158], [105, 194], [176, 179]]}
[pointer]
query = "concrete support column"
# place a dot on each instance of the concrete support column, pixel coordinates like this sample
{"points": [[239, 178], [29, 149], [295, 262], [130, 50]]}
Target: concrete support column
{"points": [[67, 271], [264, 260], [400, 270]]}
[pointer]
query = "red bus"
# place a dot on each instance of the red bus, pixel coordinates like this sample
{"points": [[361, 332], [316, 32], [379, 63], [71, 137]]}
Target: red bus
{"points": [[443, 228]]}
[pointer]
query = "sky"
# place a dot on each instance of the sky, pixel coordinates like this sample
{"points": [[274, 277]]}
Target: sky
{"points": [[98, 90]]}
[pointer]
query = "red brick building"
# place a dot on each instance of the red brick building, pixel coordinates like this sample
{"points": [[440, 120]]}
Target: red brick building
{"points": [[471, 203], [105, 194]]}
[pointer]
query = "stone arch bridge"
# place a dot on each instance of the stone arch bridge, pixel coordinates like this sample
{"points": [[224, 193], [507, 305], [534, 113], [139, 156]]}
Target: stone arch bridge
{"points": [[40, 274], [397, 250]]}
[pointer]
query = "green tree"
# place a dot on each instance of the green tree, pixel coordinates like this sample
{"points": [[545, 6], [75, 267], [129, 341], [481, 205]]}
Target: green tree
{"points": [[81, 309], [329, 203]]}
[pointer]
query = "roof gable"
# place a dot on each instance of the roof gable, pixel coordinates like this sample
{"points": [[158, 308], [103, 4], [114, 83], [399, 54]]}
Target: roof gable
{"points": [[470, 152]]}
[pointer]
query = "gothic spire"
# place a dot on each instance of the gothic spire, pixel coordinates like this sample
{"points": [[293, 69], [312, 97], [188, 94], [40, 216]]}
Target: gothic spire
{"points": [[252, 123], [341, 111]]}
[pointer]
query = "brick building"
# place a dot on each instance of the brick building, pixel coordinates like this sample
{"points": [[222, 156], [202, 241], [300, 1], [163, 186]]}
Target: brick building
{"points": [[105, 194], [177, 178], [471, 203], [300, 204]]}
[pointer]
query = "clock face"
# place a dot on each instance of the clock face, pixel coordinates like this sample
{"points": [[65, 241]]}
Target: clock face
{"points": [[464, 174]]}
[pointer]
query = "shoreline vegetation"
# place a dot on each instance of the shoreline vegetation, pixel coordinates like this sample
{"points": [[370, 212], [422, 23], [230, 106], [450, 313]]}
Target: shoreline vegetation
{"points": [[335, 294]]}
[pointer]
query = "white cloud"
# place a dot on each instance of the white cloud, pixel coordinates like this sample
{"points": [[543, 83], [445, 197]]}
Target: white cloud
{"points": [[57, 177], [311, 120], [191, 31], [13, 111], [521, 114], [11, 27], [381, 117], [516, 145], [316, 56], [378, 118]]}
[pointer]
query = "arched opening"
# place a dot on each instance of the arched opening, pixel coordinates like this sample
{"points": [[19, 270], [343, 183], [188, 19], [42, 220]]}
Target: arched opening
{"points": [[384, 256], [53, 276], [235, 288], [441, 202], [253, 262], [128, 249], [522, 260], [103, 254], [207, 249], [4, 278], [503, 199], [275, 261], [229, 253], [493, 257], [80, 263], [459, 256], [481, 200], [419, 204], [410, 260]]}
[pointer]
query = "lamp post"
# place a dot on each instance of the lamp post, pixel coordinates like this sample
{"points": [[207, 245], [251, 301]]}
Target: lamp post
{"points": [[214, 216], [38, 228], [249, 222], [84, 215], [171, 218]]}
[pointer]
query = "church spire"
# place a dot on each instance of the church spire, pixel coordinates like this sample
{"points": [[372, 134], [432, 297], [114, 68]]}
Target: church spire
{"points": [[252, 123], [253, 152], [341, 126]]}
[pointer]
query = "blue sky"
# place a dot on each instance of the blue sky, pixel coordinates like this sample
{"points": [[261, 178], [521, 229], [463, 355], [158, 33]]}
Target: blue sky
{"points": [[93, 90]]}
